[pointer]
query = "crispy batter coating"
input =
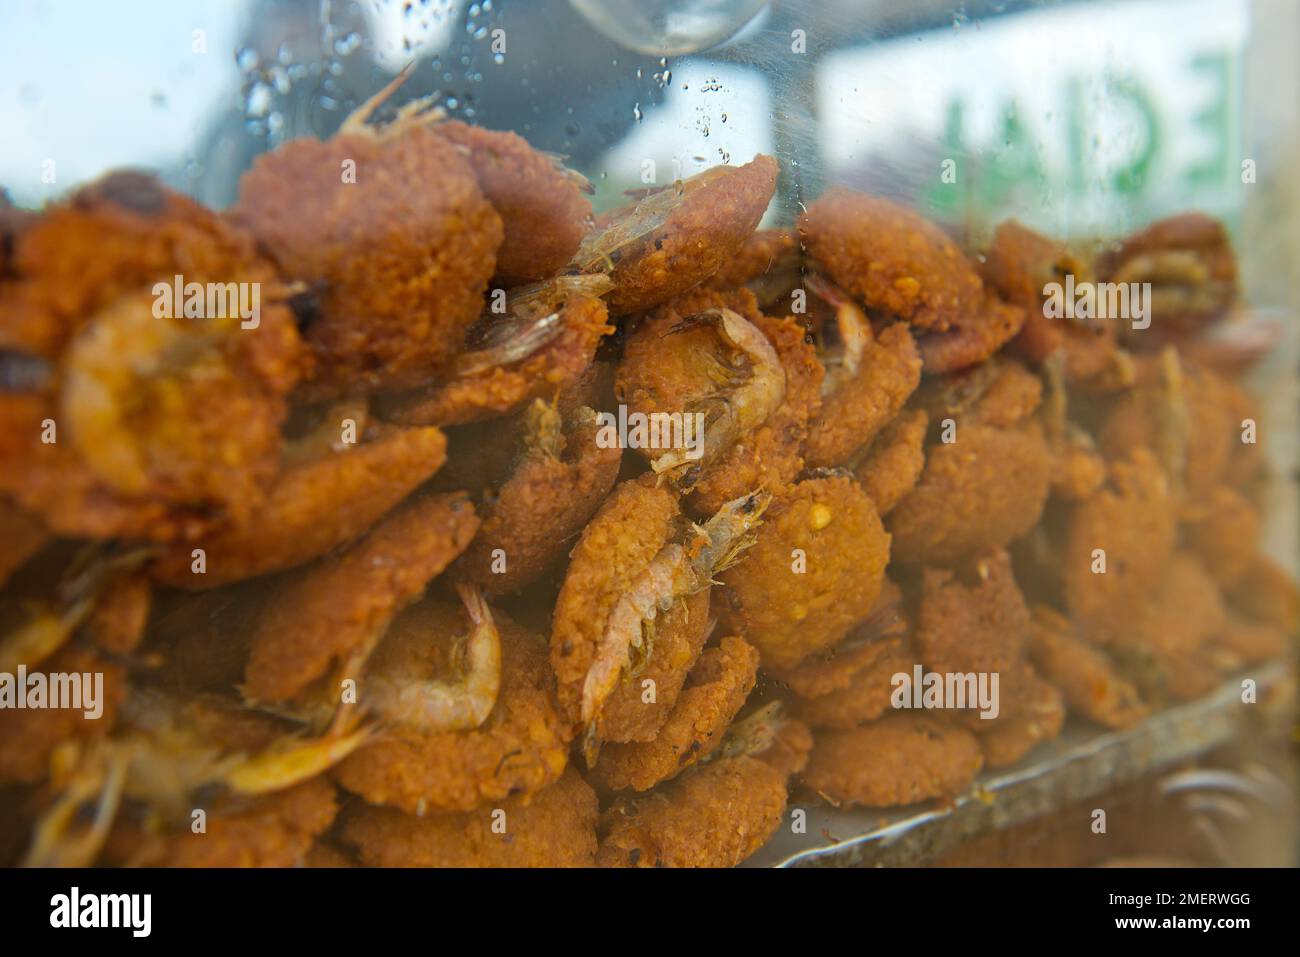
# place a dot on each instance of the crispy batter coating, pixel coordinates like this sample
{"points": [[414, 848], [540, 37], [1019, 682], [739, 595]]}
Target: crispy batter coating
{"points": [[973, 619], [900, 759], [21, 536], [1079, 471], [814, 572], [542, 206], [1224, 533], [971, 338], [665, 253], [555, 488], [852, 415], [894, 463], [1019, 264], [498, 389], [892, 259], [520, 749], [791, 746], [866, 697], [1267, 593], [273, 830], [555, 827], [617, 544], [1133, 521], [334, 608], [325, 854], [312, 508], [1241, 642], [980, 492], [1039, 717], [715, 689], [1082, 672], [768, 264], [401, 255], [117, 623], [715, 815], [164, 425], [30, 736]]}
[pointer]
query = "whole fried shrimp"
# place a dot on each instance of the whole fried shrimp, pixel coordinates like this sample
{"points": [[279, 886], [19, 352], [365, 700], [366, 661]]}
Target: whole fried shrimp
{"points": [[544, 346], [714, 815], [895, 460], [136, 417], [1087, 678], [556, 487], [391, 225], [421, 762], [556, 827], [542, 204], [980, 492], [310, 509], [892, 259], [1021, 264], [676, 238], [1127, 528], [814, 572], [900, 759], [332, 614], [864, 388], [715, 690]]}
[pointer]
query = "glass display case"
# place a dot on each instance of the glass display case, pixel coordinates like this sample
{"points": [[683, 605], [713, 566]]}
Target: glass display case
{"points": [[649, 433]]}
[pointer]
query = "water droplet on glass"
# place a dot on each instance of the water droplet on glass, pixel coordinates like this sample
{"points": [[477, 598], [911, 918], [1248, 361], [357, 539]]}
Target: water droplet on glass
{"points": [[246, 59], [259, 100], [636, 112]]}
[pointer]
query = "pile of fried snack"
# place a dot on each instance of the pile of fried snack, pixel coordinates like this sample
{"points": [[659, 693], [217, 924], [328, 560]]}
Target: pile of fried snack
{"points": [[369, 583]]}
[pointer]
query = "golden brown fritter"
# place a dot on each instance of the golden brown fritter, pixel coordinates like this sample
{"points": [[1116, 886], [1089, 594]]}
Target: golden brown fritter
{"points": [[900, 759], [541, 204], [521, 748], [1019, 264], [137, 424], [554, 489], [715, 689], [1268, 594], [555, 827], [617, 544], [790, 748], [1079, 470], [335, 608], [29, 737], [1130, 525], [1224, 532], [970, 339], [1241, 642], [895, 460], [325, 854], [398, 256], [973, 619], [676, 238], [814, 572], [892, 259], [714, 815], [767, 264], [870, 686], [1091, 684], [274, 830], [1039, 716], [889, 372], [310, 509], [980, 492], [481, 387]]}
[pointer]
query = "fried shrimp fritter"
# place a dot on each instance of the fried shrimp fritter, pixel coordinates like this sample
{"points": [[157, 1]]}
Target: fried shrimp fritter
{"points": [[401, 254], [814, 571], [980, 492], [521, 748], [867, 695], [973, 619], [1020, 264], [542, 205], [544, 347], [900, 759], [1089, 680], [892, 259], [337, 609], [895, 460], [1039, 717], [554, 489], [310, 509], [1224, 533], [1127, 528], [767, 264], [1268, 594], [714, 815], [676, 238], [166, 422], [715, 690], [556, 827], [971, 339]]}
